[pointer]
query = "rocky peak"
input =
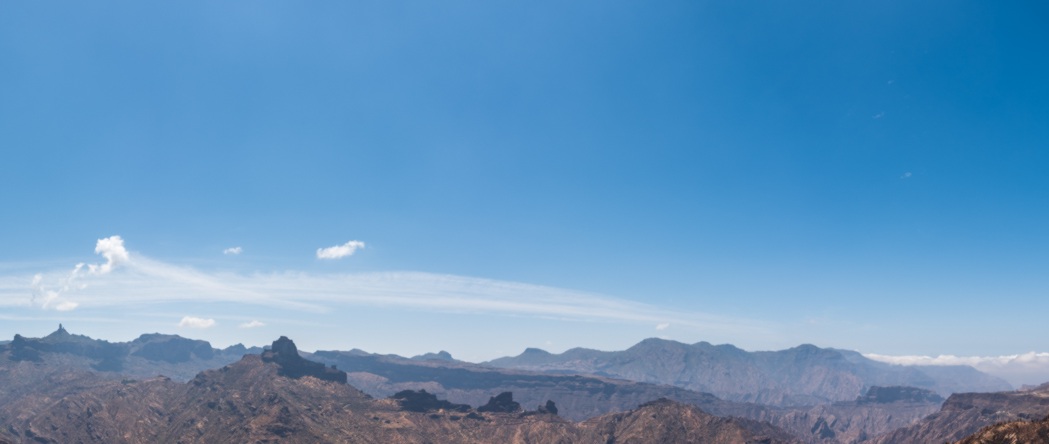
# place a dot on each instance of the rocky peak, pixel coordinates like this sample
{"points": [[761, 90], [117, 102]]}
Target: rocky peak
{"points": [[284, 347], [284, 353], [550, 408], [501, 403], [59, 333], [439, 356]]}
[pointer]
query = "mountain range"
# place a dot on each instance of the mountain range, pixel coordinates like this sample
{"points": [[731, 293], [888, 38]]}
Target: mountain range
{"points": [[40, 374], [280, 397]]}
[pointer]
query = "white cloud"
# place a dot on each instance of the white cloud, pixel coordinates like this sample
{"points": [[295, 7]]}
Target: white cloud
{"points": [[906, 175], [1026, 368], [663, 326], [252, 324], [111, 248], [66, 306], [233, 251], [194, 322], [340, 251]]}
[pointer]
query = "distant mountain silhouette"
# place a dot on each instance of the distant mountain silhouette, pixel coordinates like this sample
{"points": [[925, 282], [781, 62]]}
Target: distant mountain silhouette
{"points": [[146, 356], [803, 375]]}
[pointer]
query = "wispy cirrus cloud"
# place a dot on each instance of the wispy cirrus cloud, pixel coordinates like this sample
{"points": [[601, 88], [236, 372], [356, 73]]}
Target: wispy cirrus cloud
{"points": [[252, 324], [233, 251], [49, 294], [340, 251], [141, 281]]}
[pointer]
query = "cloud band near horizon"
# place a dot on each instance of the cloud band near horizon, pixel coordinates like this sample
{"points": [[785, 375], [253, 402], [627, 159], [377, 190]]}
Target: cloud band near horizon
{"points": [[134, 279]]}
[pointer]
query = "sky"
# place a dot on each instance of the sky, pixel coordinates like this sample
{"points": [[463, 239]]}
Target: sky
{"points": [[481, 177]]}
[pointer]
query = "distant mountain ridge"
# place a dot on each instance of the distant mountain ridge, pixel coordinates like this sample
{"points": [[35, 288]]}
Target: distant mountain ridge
{"points": [[146, 356], [802, 375]]}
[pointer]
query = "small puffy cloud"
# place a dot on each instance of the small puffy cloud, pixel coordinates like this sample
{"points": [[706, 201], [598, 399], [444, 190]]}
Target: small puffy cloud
{"points": [[66, 306], [906, 175], [195, 322], [252, 324], [111, 248], [340, 251], [663, 326], [232, 251]]}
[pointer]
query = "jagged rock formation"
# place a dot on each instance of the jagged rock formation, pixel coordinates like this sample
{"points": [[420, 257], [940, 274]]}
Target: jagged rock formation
{"points": [[548, 409], [284, 353], [803, 375], [965, 413], [501, 403], [249, 401]]}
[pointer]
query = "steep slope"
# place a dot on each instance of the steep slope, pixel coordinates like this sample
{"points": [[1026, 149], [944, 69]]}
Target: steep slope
{"points": [[880, 410], [965, 413], [803, 375], [1016, 432], [666, 421]]}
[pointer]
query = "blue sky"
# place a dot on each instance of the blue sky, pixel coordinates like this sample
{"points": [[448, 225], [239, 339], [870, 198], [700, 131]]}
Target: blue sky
{"points": [[863, 175]]}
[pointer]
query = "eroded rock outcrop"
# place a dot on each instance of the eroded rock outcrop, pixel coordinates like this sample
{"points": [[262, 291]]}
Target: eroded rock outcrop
{"points": [[501, 403], [284, 353]]}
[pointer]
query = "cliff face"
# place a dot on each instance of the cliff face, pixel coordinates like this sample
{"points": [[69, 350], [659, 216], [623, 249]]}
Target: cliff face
{"points": [[965, 413]]}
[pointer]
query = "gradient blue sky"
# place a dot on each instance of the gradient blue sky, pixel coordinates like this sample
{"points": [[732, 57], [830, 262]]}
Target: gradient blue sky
{"points": [[863, 175]]}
